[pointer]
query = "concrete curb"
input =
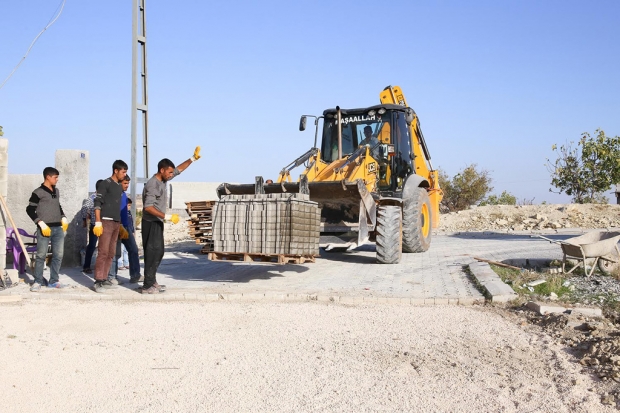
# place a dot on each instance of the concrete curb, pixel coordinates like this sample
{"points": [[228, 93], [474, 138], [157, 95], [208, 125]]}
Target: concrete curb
{"points": [[172, 296], [496, 289]]}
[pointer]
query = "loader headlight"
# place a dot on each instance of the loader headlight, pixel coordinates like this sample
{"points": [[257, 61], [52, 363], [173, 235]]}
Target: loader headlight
{"points": [[381, 111], [371, 113]]}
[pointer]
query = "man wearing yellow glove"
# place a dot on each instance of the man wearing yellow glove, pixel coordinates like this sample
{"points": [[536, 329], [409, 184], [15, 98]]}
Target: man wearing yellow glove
{"points": [[45, 210], [107, 223], [155, 200], [127, 239]]}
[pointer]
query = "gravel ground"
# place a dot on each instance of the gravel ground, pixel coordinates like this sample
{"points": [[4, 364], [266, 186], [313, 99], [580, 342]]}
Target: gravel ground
{"points": [[270, 357]]}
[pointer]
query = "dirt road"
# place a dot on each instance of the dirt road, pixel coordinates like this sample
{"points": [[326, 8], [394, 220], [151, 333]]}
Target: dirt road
{"points": [[68, 356]]}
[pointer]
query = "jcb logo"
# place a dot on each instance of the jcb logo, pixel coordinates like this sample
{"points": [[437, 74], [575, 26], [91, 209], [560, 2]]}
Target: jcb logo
{"points": [[372, 168]]}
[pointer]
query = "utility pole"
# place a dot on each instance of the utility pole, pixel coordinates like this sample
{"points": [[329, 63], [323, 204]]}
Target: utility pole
{"points": [[139, 80]]}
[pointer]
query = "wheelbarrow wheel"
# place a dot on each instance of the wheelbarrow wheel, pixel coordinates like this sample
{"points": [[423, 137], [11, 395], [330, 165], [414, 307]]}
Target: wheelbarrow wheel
{"points": [[607, 267]]}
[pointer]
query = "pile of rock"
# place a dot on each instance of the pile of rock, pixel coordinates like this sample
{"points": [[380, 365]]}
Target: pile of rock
{"points": [[594, 341], [531, 218]]}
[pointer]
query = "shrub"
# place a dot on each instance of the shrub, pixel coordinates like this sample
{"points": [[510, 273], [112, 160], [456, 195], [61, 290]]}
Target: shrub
{"points": [[466, 188]]}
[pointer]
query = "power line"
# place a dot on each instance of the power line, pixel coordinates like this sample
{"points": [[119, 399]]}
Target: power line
{"points": [[52, 20]]}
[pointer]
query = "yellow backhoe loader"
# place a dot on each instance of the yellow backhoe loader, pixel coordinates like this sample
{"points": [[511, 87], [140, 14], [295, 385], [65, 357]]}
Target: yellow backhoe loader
{"points": [[371, 176]]}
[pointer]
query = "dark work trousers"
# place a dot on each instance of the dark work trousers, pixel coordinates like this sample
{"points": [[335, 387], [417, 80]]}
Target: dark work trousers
{"points": [[90, 249], [106, 249], [153, 244]]}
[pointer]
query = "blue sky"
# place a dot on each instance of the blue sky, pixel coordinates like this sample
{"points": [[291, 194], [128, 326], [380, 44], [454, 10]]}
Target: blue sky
{"points": [[495, 83]]}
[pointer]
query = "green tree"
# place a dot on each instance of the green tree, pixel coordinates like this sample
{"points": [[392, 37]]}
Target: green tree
{"points": [[585, 172], [466, 188], [505, 198]]}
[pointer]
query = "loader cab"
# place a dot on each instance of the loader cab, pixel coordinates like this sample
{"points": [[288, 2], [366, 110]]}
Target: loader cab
{"points": [[390, 142]]}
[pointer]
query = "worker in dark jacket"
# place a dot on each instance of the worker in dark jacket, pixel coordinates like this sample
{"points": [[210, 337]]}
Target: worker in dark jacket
{"points": [[45, 210], [108, 223]]}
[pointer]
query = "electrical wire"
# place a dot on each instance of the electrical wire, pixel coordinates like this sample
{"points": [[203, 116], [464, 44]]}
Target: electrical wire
{"points": [[52, 20]]}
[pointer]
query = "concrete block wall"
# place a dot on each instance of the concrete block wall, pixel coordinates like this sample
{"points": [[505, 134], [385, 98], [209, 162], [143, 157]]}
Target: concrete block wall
{"points": [[73, 185], [20, 188]]}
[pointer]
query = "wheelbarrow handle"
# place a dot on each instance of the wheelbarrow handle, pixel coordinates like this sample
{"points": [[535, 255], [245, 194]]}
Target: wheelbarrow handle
{"points": [[547, 239]]}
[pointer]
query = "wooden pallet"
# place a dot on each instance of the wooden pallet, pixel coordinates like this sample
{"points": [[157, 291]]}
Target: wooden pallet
{"points": [[207, 248], [200, 224], [197, 204], [261, 258]]}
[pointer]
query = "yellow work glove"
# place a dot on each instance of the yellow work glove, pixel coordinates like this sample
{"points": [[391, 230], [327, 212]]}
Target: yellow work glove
{"points": [[45, 230], [65, 224], [174, 218], [98, 230], [196, 155], [122, 233]]}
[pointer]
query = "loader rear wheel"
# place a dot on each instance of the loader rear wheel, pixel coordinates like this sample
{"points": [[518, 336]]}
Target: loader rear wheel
{"points": [[389, 234], [417, 222]]}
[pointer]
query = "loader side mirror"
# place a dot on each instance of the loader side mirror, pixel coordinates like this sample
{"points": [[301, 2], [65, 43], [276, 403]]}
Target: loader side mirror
{"points": [[302, 123], [409, 116]]}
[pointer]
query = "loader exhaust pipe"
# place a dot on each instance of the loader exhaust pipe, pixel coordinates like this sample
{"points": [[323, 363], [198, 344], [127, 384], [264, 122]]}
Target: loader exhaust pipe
{"points": [[338, 119]]}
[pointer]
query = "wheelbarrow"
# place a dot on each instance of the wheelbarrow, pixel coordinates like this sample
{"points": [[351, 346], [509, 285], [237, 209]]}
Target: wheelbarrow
{"points": [[602, 246]]}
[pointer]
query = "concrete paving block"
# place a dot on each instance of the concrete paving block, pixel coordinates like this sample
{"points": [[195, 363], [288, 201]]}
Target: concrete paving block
{"points": [[429, 301], [441, 301], [10, 298], [326, 298], [273, 296], [47, 295], [84, 297], [453, 301], [467, 300], [253, 296], [394, 300], [233, 297], [542, 308], [588, 312], [128, 296]]}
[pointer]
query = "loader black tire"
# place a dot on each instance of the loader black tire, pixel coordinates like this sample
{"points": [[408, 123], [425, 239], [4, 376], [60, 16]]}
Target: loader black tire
{"points": [[417, 222], [389, 234]]}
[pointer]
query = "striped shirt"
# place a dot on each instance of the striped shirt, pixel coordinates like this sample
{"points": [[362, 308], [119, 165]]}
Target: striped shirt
{"points": [[88, 209]]}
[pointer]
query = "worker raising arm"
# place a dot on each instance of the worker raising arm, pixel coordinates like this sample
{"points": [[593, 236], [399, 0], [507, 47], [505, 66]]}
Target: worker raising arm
{"points": [[155, 200]]}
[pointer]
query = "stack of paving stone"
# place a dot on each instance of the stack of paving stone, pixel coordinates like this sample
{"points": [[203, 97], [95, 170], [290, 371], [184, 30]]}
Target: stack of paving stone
{"points": [[269, 224], [200, 223]]}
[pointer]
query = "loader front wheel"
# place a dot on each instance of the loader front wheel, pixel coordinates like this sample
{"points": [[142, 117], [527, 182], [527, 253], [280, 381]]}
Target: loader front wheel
{"points": [[389, 234], [417, 222]]}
